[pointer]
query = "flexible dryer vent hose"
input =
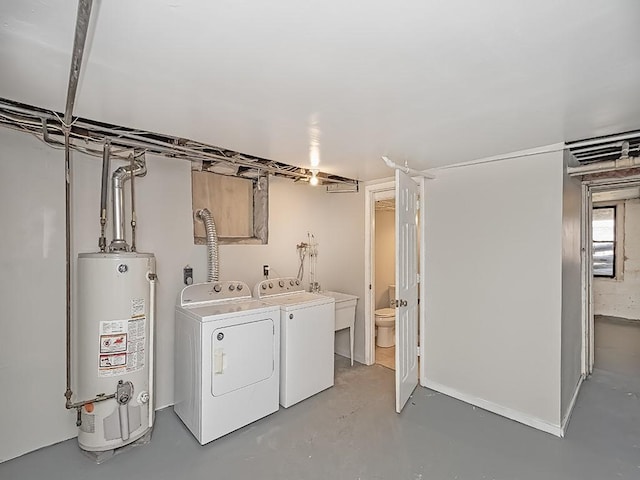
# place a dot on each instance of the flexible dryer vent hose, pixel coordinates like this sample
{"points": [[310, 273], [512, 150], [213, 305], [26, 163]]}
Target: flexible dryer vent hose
{"points": [[213, 267]]}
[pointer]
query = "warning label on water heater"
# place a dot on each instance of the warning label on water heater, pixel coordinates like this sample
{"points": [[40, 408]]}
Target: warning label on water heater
{"points": [[137, 307], [121, 346]]}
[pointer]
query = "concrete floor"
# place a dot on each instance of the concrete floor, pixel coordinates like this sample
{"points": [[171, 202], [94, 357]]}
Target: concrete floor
{"points": [[617, 345], [352, 432]]}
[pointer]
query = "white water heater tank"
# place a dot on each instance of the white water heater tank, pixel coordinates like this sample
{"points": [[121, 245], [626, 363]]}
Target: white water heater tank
{"points": [[114, 348]]}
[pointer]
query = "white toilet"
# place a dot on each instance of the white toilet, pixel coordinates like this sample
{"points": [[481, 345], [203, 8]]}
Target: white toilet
{"points": [[386, 322]]}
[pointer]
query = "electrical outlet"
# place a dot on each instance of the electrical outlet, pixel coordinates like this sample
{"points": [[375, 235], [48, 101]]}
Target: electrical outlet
{"points": [[265, 270], [187, 275]]}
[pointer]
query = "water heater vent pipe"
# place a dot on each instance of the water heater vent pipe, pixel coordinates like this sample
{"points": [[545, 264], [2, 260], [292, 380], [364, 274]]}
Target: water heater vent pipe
{"points": [[138, 168]]}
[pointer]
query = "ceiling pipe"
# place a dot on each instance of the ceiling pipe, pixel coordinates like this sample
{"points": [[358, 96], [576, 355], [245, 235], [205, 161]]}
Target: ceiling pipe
{"points": [[594, 158], [622, 163], [624, 147], [407, 170], [48, 125], [603, 141]]}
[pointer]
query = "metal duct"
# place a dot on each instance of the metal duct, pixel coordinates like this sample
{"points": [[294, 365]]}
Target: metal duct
{"points": [[119, 177], [204, 215]]}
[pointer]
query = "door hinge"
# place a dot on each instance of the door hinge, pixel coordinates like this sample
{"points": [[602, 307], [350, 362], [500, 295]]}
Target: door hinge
{"points": [[417, 205], [418, 277], [369, 286]]}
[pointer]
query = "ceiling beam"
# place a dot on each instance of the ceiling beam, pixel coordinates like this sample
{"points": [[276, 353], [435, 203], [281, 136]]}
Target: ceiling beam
{"points": [[82, 27]]}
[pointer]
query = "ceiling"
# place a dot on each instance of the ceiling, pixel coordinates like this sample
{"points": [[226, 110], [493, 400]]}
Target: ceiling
{"points": [[428, 82]]}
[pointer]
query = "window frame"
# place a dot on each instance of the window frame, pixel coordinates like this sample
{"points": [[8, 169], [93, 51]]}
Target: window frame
{"points": [[618, 242]]}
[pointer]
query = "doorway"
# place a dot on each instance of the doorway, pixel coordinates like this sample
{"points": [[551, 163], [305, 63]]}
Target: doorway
{"points": [[409, 195], [377, 196], [380, 266], [384, 286], [612, 276]]}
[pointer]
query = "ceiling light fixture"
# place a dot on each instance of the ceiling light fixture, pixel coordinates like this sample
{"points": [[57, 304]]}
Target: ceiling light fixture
{"points": [[314, 142], [314, 178]]}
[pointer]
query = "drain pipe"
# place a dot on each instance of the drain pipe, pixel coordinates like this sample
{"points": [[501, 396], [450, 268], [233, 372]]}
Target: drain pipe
{"points": [[213, 267], [139, 169]]}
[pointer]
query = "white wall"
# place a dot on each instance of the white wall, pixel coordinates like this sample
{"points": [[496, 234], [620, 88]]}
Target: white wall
{"points": [[571, 290], [32, 295], [621, 297], [494, 286], [32, 260], [385, 244]]}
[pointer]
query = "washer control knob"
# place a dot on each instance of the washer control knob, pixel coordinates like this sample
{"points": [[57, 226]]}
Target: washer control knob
{"points": [[297, 282], [281, 283], [270, 285], [291, 316], [217, 288], [291, 283], [232, 287], [263, 286], [239, 287]]}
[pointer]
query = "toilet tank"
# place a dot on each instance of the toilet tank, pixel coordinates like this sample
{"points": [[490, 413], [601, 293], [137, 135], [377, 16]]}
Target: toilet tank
{"points": [[392, 296]]}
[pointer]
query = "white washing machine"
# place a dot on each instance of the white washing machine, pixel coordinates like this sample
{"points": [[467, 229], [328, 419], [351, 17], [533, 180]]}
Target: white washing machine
{"points": [[227, 361], [307, 325]]}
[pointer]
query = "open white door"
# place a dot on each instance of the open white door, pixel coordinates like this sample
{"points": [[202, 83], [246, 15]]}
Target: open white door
{"points": [[406, 288]]}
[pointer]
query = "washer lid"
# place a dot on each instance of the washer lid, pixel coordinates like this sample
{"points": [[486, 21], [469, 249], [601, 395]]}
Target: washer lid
{"points": [[385, 312]]}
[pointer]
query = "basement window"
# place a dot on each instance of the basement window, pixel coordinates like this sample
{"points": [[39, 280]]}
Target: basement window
{"points": [[604, 242], [239, 206]]}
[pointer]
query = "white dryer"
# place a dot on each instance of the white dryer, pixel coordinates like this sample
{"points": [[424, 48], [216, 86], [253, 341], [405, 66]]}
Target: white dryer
{"points": [[307, 325], [227, 360]]}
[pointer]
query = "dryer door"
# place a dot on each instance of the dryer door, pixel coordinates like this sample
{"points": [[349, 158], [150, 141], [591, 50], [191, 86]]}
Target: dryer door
{"points": [[241, 355]]}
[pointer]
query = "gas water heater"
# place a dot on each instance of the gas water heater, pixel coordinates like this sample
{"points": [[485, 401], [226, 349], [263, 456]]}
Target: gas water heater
{"points": [[115, 347], [114, 330]]}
